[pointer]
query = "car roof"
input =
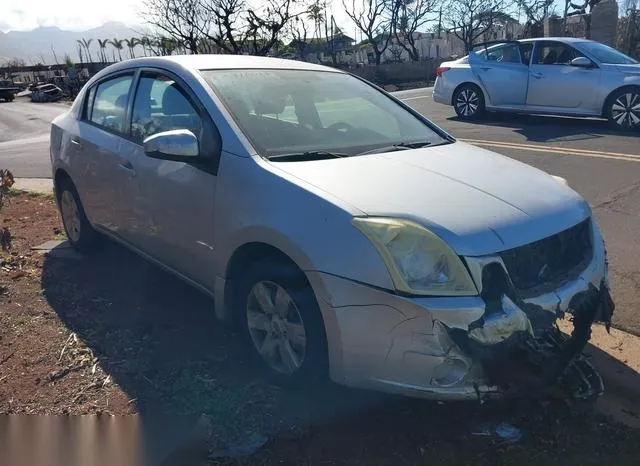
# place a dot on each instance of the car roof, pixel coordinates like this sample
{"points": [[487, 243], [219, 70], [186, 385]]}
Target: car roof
{"points": [[218, 62], [567, 40]]}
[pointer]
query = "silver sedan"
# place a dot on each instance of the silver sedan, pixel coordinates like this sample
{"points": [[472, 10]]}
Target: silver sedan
{"points": [[343, 233], [555, 76]]}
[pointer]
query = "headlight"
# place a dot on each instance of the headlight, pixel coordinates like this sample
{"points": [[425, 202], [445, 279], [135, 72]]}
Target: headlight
{"points": [[419, 261]]}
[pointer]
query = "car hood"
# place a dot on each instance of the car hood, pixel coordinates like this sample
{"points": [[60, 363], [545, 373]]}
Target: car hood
{"points": [[479, 202]]}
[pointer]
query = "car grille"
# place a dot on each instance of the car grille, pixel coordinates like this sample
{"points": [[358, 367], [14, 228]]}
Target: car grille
{"points": [[550, 262]]}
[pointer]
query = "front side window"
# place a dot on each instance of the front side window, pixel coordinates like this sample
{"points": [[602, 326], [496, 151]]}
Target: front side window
{"points": [[161, 105], [110, 103], [554, 53], [605, 54], [287, 111]]}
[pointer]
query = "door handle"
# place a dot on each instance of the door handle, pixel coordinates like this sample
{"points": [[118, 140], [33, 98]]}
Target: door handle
{"points": [[76, 143], [537, 75], [485, 68], [128, 167]]}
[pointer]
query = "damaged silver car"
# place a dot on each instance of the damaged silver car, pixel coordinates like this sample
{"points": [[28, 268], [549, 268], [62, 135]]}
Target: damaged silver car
{"points": [[345, 234]]}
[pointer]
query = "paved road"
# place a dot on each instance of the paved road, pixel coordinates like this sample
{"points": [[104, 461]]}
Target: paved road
{"points": [[601, 164], [24, 137]]}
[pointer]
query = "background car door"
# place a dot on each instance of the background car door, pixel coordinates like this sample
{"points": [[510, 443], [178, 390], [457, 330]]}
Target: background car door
{"points": [[173, 201], [553, 82], [502, 71], [102, 176]]}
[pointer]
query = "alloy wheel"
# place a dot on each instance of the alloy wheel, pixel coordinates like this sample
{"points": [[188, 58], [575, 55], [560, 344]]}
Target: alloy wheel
{"points": [[625, 111], [70, 215], [276, 327], [467, 102]]}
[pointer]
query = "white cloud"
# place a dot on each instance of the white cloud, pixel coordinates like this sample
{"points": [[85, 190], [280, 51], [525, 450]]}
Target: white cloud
{"points": [[66, 14], [79, 15]]}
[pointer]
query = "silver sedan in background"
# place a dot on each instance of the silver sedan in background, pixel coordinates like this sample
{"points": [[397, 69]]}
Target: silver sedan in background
{"points": [[557, 76]]}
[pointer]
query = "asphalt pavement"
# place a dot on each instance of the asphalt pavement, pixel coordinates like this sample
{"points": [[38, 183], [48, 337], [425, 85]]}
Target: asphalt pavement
{"points": [[600, 163]]}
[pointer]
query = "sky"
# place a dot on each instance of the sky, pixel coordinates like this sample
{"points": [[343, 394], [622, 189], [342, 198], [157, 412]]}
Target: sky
{"points": [[80, 15]]}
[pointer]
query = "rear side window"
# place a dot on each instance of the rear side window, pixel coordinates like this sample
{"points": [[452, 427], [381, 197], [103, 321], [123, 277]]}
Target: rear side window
{"points": [[161, 105], [110, 103]]}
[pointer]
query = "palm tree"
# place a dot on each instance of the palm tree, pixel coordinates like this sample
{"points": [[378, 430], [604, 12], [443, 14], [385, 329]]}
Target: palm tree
{"points": [[80, 51], [146, 44], [131, 45], [102, 43], [86, 43], [117, 44]]}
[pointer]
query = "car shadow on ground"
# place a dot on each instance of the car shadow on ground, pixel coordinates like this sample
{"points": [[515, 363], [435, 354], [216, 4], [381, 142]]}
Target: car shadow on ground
{"points": [[548, 129], [159, 341]]}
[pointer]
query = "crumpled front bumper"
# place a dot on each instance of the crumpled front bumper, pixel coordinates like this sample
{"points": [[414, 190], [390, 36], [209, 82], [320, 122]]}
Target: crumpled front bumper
{"points": [[465, 347]]}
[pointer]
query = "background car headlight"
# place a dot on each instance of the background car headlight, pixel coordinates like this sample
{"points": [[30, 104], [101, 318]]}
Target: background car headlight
{"points": [[419, 261]]}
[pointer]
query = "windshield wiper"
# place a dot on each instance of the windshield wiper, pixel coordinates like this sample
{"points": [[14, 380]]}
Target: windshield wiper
{"points": [[308, 155], [399, 146]]}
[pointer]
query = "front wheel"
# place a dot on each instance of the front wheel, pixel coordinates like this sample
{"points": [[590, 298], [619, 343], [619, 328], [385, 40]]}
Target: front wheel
{"points": [[468, 102], [624, 109], [282, 322]]}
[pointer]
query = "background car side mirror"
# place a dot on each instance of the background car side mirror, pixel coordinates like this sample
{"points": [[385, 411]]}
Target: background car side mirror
{"points": [[179, 145], [581, 62]]}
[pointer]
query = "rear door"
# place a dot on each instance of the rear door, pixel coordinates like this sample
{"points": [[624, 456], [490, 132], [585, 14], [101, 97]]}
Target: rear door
{"points": [[100, 174], [502, 70], [553, 82]]}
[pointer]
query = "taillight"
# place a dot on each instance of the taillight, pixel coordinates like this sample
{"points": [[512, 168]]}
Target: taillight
{"points": [[441, 69]]}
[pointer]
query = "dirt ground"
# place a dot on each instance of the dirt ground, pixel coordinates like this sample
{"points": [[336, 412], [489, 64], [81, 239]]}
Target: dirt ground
{"points": [[109, 333]]}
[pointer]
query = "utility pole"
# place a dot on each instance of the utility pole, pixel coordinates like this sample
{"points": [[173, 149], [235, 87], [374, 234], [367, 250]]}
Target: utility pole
{"points": [[440, 24]]}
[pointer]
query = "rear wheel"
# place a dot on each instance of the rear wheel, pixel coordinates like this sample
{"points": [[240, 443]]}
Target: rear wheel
{"points": [[79, 231], [468, 102], [623, 109]]}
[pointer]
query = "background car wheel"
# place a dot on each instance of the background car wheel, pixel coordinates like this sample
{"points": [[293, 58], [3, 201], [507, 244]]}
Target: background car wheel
{"points": [[79, 231], [623, 109], [282, 324], [468, 102]]}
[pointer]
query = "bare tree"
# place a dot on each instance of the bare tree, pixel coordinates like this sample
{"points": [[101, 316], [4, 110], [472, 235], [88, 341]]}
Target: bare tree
{"points": [[237, 28], [299, 33], [182, 20], [372, 18], [470, 19], [407, 16], [535, 11]]}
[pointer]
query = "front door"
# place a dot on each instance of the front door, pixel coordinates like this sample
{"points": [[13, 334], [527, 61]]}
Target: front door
{"points": [[553, 82], [502, 71], [174, 201]]}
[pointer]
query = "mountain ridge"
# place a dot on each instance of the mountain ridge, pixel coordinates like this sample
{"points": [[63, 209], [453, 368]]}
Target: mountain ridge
{"points": [[38, 45]]}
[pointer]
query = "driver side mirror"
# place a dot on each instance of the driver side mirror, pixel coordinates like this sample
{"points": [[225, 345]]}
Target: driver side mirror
{"points": [[581, 62], [179, 145]]}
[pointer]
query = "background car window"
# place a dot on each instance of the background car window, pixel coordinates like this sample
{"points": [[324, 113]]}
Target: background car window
{"points": [[508, 53], [161, 105], [606, 54], [525, 50], [554, 53], [110, 103]]}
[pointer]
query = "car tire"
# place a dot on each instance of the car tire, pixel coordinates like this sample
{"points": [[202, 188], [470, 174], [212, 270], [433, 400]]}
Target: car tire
{"points": [[623, 109], [80, 234], [280, 321], [468, 102]]}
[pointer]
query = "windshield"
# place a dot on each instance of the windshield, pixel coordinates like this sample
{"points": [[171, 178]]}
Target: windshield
{"points": [[605, 54], [294, 111]]}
